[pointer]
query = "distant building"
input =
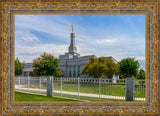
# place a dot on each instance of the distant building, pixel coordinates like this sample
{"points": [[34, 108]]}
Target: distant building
{"points": [[28, 69], [71, 63]]}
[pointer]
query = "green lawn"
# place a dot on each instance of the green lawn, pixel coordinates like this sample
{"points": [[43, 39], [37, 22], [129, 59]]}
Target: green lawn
{"points": [[32, 97], [20, 96], [114, 90]]}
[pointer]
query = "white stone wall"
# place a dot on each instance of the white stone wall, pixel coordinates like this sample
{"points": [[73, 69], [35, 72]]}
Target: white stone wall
{"points": [[66, 63]]}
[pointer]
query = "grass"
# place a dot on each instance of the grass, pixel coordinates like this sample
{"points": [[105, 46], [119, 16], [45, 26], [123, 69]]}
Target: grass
{"points": [[106, 89], [82, 98], [32, 97]]}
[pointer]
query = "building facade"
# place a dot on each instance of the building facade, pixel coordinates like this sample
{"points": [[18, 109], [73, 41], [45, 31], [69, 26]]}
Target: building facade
{"points": [[28, 69]]}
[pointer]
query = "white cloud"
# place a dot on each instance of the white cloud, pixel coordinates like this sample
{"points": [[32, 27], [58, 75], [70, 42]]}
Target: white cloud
{"points": [[27, 53], [42, 25], [140, 57], [83, 49], [25, 36], [105, 41]]}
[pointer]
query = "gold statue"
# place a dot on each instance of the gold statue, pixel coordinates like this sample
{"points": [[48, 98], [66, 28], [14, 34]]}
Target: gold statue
{"points": [[72, 27]]}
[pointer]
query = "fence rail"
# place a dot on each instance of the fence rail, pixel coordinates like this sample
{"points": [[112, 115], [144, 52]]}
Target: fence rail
{"points": [[90, 89]]}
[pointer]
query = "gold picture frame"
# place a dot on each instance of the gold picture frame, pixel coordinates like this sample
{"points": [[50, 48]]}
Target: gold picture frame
{"points": [[152, 46]]}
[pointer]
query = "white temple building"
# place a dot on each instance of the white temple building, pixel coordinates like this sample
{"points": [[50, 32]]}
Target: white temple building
{"points": [[71, 63]]}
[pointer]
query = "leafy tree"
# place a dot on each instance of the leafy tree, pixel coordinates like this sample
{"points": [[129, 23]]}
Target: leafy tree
{"points": [[18, 67], [141, 74], [46, 65], [100, 68], [60, 74], [128, 67]]}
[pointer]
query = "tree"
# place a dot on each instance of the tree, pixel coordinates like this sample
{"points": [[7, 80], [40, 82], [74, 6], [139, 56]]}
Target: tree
{"points": [[45, 65], [60, 74], [128, 67], [18, 67], [141, 74], [100, 68]]}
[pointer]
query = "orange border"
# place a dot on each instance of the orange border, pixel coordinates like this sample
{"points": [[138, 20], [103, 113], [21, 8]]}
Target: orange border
{"points": [[83, 2], [157, 57], [156, 3], [2, 57]]}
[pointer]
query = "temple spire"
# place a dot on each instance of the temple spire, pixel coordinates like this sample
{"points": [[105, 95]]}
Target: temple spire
{"points": [[72, 47], [72, 27]]}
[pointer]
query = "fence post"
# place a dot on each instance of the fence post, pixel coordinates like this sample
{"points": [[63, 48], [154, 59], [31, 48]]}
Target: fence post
{"points": [[78, 87], [129, 89], [19, 83], [28, 84], [61, 86], [49, 86], [40, 84], [53, 85], [99, 89]]}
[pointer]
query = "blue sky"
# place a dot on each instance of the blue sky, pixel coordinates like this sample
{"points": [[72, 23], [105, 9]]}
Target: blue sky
{"points": [[119, 36]]}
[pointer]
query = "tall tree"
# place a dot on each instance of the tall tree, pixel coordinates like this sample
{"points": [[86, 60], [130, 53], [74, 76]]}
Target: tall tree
{"points": [[128, 67], [46, 65], [100, 68], [141, 74], [18, 67]]}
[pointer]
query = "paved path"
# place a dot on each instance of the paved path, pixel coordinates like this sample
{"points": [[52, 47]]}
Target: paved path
{"points": [[82, 94]]}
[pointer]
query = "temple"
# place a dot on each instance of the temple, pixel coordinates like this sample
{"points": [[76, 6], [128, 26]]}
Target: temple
{"points": [[71, 63]]}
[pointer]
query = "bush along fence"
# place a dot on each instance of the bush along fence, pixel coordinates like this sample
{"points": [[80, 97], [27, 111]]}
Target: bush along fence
{"points": [[90, 89]]}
